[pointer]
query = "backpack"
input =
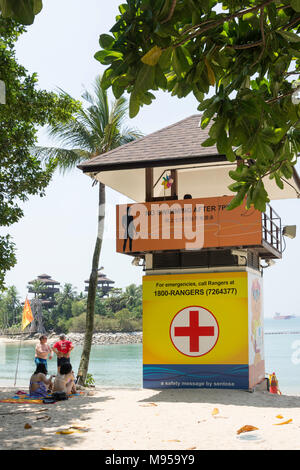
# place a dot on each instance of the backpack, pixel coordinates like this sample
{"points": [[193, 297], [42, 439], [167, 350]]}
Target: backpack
{"points": [[58, 396]]}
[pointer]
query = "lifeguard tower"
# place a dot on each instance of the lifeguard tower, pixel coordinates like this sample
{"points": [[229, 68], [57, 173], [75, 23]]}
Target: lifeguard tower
{"points": [[202, 288]]}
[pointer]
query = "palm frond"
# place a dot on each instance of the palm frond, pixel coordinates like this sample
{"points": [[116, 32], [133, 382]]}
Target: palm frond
{"points": [[65, 159], [95, 129]]}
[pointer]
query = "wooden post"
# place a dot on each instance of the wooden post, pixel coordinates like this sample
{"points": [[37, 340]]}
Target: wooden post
{"points": [[174, 187], [149, 184]]}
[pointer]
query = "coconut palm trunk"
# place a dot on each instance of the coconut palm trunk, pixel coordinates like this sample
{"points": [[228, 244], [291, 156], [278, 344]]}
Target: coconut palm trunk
{"points": [[94, 130], [92, 291]]}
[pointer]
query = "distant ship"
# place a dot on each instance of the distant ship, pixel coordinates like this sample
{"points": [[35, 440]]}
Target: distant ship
{"points": [[277, 316]]}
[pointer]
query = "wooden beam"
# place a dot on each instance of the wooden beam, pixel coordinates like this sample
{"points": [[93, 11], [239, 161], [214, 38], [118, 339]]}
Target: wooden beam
{"points": [[149, 184], [174, 187]]}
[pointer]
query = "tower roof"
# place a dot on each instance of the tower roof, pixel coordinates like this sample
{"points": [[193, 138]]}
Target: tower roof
{"points": [[202, 171], [45, 278]]}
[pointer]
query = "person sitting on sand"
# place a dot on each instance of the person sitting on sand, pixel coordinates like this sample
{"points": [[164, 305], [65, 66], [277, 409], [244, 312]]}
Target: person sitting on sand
{"points": [[39, 384], [64, 380]]}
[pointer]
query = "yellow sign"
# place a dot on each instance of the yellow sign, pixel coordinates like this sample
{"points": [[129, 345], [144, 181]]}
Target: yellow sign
{"points": [[195, 326]]}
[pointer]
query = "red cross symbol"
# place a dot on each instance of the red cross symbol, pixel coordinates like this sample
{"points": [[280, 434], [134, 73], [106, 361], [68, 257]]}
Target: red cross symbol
{"points": [[194, 331]]}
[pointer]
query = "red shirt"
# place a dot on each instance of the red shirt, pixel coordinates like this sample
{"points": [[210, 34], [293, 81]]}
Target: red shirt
{"points": [[63, 346]]}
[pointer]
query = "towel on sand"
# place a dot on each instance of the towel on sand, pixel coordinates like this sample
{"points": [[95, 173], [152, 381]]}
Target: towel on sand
{"points": [[25, 398]]}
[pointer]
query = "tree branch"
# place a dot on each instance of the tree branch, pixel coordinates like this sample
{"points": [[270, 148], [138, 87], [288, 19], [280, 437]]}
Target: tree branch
{"points": [[263, 37], [294, 72], [170, 12], [292, 23], [272, 100], [222, 21], [246, 46]]}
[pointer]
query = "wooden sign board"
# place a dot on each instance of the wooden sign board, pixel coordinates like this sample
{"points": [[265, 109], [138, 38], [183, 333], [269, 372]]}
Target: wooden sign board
{"points": [[188, 224]]}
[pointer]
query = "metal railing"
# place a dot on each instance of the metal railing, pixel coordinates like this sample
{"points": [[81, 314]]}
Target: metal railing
{"points": [[271, 228]]}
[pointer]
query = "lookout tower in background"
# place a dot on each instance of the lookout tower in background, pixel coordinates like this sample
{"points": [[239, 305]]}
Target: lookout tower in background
{"points": [[104, 285], [44, 288]]}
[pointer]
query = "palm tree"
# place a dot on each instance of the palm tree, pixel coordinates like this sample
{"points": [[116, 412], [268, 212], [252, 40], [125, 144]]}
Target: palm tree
{"points": [[37, 287], [95, 129]]}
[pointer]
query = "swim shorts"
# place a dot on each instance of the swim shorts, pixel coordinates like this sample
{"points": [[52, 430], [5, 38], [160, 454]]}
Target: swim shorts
{"points": [[62, 360], [39, 360]]}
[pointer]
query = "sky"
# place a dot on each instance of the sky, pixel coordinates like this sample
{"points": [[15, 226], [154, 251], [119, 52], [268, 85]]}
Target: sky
{"points": [[57, 234]]}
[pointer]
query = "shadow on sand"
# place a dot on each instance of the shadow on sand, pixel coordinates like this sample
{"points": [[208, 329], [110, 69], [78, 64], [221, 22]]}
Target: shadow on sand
{"points": [[45, 420], [224, 397]]}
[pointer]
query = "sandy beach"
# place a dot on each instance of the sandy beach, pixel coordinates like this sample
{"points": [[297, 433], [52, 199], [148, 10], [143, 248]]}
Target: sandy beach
{"points": [[139, 419]]}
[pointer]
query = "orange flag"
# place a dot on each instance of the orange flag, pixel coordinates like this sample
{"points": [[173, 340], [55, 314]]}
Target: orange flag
{"points": [[27, 316]]}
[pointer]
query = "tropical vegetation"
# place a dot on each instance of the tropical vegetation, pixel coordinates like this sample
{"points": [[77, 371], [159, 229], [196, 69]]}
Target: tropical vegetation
{"points": [[23, 11], [120, 312], [240, 60], [24, 109]]}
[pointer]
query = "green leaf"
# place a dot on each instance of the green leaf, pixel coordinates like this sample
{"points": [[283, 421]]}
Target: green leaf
{"points": [[263, 151], [295, 4], [145, 78], [106, 41], [210, 73], [6, 9], [107, 57], [209, 142], [117, 89], [165, 59], [23, 10], [106, 79], [230, 155], [287, 170], [37, 6], [199, 95], [238, 199], [289, 36], [134, 104], [278, 180], [222, 142], [160, 78], [260, 196], [180, 61]]}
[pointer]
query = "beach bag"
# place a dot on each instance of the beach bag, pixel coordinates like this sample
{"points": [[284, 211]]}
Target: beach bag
{"points": [[59, 396], [49, 400]]}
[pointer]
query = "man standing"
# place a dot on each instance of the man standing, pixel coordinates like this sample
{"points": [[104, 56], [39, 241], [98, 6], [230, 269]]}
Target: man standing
{"points": [[62, 349], [42, 350]]}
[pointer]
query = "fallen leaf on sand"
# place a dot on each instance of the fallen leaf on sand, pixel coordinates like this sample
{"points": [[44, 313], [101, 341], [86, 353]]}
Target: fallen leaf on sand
{"points": [[68, 431], [215, 411], [27, 426], [149, 404], [80, 428], [279, 416], [46, 418], [247, 428], [284, 422], [51, 448]]}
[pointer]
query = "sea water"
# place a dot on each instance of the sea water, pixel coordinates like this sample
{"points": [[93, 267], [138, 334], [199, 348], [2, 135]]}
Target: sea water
{"points": [[282, 352], [121, 365], [110, 365]]}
